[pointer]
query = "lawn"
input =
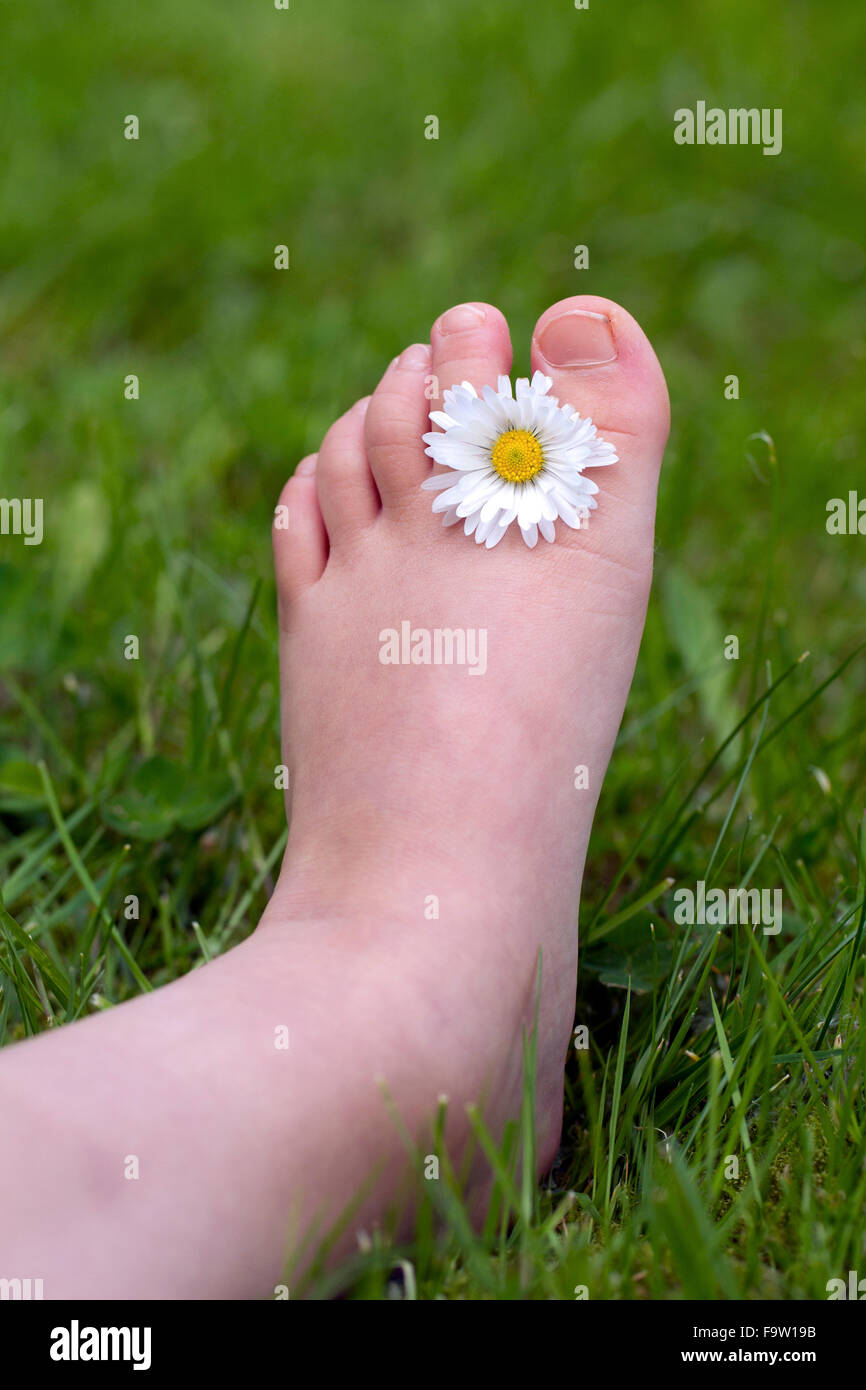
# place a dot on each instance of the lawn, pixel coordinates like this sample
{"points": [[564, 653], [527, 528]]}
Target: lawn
{"points": [[159, 379]]}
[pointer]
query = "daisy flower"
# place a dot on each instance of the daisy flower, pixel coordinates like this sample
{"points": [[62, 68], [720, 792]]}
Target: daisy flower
{"points": [[513, 456]]}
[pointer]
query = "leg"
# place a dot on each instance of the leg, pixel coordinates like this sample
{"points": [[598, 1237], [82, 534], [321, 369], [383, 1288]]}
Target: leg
{"points": [[409, 783]]}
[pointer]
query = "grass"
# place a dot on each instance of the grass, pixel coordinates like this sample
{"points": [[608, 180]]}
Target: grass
{"points": [[139, 824]]}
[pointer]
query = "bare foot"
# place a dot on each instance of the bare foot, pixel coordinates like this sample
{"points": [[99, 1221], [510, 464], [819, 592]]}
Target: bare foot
{"points": [[435, 810]]}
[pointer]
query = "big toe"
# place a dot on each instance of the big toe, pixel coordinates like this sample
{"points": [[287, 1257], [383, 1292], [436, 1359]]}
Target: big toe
{"points": [[603, 365]]}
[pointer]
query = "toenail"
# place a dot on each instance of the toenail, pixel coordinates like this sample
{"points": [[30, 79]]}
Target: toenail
{"points": [[306, 466], [418, 355], [577, 338], [360, 406], [462, 317]]}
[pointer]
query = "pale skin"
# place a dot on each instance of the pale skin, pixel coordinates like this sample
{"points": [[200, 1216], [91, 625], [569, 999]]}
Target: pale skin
{"points": [[407, 783]]}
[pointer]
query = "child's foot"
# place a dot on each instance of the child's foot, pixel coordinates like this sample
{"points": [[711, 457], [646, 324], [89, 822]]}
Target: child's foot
{"points": [[437, 844], [441, 814]]}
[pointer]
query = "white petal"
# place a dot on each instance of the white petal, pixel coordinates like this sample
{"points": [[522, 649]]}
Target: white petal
{"points": [[445, 450], [439, 417], [486, 528], [508, 496], [601, 460], [547, 529], [530, 535], [461, 409], [495, 536], [569, 515], [497, 406], [437, 481], [513, 414], [547, 507], [463, 390], [577, 489], [478, 432], [465, 484], [479, 495], [529, 511], [447, 499]]}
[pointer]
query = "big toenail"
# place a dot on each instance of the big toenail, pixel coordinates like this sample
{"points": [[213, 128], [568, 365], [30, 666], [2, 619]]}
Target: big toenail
{"points": [[577, 338], [418, 355], [463, 317], [306, 466], [360, 405]]}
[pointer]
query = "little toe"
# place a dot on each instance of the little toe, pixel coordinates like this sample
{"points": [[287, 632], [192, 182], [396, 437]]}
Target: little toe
{"points": [[299, 536]]}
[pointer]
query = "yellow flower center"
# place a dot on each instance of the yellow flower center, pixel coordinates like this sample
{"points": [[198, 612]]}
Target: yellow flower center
{"points": [[517, 456]]}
